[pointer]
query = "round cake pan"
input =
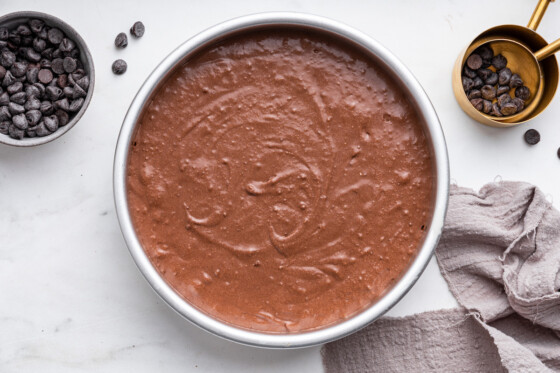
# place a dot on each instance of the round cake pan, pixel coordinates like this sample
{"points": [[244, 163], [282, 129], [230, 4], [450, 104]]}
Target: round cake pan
{"points": [[432, 129]]}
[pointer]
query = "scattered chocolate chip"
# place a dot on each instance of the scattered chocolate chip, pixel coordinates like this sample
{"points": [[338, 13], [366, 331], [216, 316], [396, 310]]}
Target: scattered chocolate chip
{"points": [[504, 76], [137, 29], [121, 41], [45, 76], [488, 92], [558, 153], [475, 93], [532, 137], [508, 109], [119, 67], [515, 81], [474, 62], [522, 93], [55, 36]]}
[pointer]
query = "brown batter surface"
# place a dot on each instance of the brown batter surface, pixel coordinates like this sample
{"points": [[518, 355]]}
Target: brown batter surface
{"points": [[280, 181]]}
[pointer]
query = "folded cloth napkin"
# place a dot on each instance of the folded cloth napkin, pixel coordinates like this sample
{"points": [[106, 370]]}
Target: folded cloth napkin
{"points": [[500, 255]]}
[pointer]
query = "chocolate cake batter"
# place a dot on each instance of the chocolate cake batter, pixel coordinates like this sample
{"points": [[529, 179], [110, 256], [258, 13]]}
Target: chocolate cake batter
{"points": [[280, 181]]}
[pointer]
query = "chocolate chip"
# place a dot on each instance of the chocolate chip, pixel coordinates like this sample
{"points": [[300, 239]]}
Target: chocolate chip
{"points": [[121, 41], [504, 76], [46, 108], [502, 89], [15, 132], [4, 127], [14, 39], [15, 88], [32, 55], [15, 108], [485, 52], [62, 81], [20, 121], [478, 103], [18, 98], [137, 29], [469, 73], [2, 72], [499, 62], [515, 81], [47, 53], [5, 113], [475, 93], [39, 44], [474, 62], [492, 79], [36, 25], [4, 32], [30, 132], [43, 33], [23, 30], [78, 92], [32, 75], [508, 109], [119, 67], [495, 110], [486, 106], [83, 82], [558, 153], [41, 89], [58, 66], [67, 45], [4, 99], [504, 99], [19, 69], [55, 36], [32, 103], [63, 118], [478, 83], [62, 104], [484, 73], [78, 74], [69, 64], [68, 92], [53, 93], [42, 130], [76, 104], [51, 123], [45, 63], [488, 92], [522, 93], [45, 76], [519, 103], [7, 58], [532, 137]]}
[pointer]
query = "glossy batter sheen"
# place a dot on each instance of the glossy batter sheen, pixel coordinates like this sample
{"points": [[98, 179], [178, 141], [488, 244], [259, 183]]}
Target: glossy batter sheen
{"points": [[280, 181]]}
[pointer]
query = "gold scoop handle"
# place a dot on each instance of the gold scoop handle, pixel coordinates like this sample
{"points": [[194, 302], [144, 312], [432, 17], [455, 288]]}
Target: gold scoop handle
{"points": [[547, 51], [538, 14]]}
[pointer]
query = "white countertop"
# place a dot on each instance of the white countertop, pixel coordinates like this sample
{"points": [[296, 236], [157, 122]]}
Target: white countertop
{"points": [[71, 298]]}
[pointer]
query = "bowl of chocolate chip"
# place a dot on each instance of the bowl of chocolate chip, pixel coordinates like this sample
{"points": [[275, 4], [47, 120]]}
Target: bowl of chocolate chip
{"points": [[281, 180], [46, 78]]}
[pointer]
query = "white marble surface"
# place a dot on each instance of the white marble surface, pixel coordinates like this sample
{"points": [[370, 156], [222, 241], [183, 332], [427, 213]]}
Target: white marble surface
{"points": [[71, 298]]}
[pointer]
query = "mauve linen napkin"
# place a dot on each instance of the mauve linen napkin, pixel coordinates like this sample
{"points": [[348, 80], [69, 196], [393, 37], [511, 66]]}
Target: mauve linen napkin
{"points": [[500, 255]]}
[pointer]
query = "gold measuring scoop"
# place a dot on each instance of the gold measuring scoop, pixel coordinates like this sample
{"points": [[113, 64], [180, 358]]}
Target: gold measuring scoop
{"points": [[528, 55]]}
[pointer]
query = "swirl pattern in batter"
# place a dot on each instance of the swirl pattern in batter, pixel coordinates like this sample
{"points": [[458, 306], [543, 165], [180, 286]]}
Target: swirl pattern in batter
{"points": [[280, 181]]}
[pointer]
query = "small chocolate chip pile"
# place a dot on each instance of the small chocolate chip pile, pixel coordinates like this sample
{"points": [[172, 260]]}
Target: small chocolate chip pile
{"points": [[488, 82], [43, 82]]}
